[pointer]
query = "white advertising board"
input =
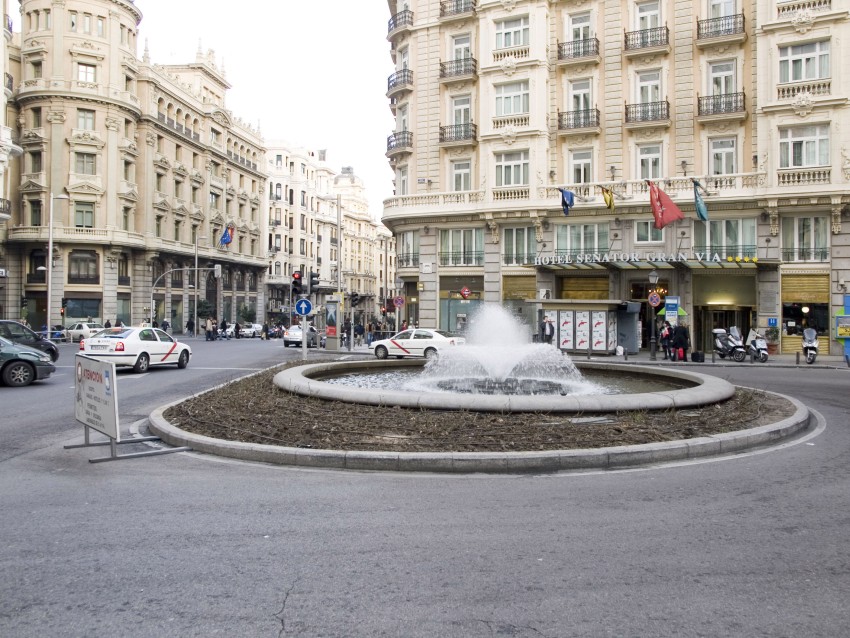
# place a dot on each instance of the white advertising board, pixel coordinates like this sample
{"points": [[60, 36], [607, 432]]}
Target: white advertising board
{"points": [[566, 329], [599, 330], [582, 329], [96, 396]]}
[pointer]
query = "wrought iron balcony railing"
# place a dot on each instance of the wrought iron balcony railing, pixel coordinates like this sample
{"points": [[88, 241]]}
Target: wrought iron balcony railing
{"points": [[400, 140], [578, 119], [719, 104], [400, 19], [578, 49], [458, 132], [456, 7], [648, 112], [719, 27], [460, 67], [645, 38], [742, 250], [400, 79], [36, 277], [461, 258], [805, 254], [123, 281], [407, 260]]}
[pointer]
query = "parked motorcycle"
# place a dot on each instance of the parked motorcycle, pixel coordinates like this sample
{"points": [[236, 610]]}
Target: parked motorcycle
{"points": [[810, 345], [729, 345], [757, 346]]}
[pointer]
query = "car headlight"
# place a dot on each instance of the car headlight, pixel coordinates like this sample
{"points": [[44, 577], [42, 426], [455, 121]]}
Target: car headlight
{"points": [[38, 357]]}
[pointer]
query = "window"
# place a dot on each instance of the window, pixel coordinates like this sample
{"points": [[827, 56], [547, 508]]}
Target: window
{"points": [[646, 232], [581, 238], [803, 146], [408, 248], [721, 8], [723, 156], [101, 28], [461, 172], [176, 231], [36, 117], [804, 62], [85, 119], [520, 246], [86, 72], [648, 15], [722, 76], [461, 110], [84, 163], [401, 181], [512, 33], [729, 237], [125, 218], [512, 169], [580, 95], [462, 247], [36, 70], [461, 47], [805, 238], [215, 136], [84, 215], [83, 268], [35, 213], [401, 118], [72, 16], [35, 162], [214, 199], [578, 26], [157, 229], [649, 161], [581, 166], [649, 87], [512, 98]]}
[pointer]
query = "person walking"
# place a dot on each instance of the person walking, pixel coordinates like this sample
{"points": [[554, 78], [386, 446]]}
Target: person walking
{"points": [[190, 327], [237, 330], [209, 329], [666, 336], [681, 342], [108, 324], [264, 334], [547, 330]]}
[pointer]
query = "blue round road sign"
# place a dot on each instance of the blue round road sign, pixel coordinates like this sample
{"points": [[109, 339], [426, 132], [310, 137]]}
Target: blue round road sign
{"points": [[303, 307]]}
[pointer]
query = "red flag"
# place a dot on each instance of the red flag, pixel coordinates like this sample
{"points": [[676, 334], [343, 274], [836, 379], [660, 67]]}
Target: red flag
{"points": [[664, 210]]}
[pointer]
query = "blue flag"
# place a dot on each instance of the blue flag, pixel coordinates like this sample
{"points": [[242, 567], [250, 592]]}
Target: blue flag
{"points": [[567, 200], [699, 203], [226, 237]]}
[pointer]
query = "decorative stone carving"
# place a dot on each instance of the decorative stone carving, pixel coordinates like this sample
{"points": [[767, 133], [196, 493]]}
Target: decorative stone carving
{"points": [[773, 214], [508, 135], [836, 220], [803, 104], [112, 124], [150, 139], [509, 65], [494, 231], [538, 230], [845, 167], [56, 117], [509, 5], [803, 20]]}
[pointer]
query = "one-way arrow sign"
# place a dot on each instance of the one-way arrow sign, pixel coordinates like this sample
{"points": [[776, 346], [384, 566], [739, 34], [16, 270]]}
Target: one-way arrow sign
{"points": [[303, 307]]}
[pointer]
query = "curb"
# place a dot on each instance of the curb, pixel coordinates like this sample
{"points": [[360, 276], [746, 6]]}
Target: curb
{"points": [[490, 462]]}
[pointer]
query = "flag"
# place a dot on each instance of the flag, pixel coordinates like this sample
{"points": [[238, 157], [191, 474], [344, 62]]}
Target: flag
{"points": [[226, 236], [567, 200], [663, 209], [608, 197], [699, 203]]}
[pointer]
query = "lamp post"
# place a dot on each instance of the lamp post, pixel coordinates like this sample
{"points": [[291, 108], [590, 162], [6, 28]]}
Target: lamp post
{"points": [[197, 239], [399, 286], [653, 281], [49, 264]]}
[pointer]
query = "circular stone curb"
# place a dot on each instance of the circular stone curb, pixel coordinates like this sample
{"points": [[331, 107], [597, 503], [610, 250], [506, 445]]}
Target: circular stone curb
{"points": [[707, 389], [490, 462]]}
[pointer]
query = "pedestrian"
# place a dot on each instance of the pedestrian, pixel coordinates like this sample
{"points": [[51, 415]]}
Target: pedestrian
{"points": [[547, 330], [237, 329], [108, 324], [681, 342], [264, 335], [165, 325], [346, 333], [224, 333], [370, 332], [155, 324], [190, 326], [119, 323], [209, 328], [358, 334], [666, 336]]}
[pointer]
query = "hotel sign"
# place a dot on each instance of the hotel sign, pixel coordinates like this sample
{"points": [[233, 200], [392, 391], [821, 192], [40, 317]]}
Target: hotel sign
{"points": [[623, 258]]}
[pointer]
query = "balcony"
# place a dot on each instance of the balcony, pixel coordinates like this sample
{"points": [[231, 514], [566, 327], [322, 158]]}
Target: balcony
{"points": [[459, 70], [461, 258], [729, 106], [123, 280], [456, 9], [648, 114], [579, 122], [723, 30], [36, 277], [520, 120], [513, 53], [815, 88], [805, 254], [789, 10], [399, 143], [804, 176], [92, 280], [578, 52], [401, 22], [407, 260], [647, 42], [518, 259], [400, 82], [459, 135]]}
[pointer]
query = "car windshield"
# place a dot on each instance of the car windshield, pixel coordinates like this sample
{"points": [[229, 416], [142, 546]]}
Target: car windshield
{"points": [[115, 333]]}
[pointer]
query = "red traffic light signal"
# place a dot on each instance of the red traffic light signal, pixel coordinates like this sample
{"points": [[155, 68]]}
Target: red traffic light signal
{"points": [[383, 311], [296, 281]]}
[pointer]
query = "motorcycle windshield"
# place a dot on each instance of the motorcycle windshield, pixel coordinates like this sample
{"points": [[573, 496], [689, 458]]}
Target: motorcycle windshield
{"points": [[810, 334], [735, 333]]}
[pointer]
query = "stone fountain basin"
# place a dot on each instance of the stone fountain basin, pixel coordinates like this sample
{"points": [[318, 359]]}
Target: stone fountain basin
{"points": [[705, 389]]}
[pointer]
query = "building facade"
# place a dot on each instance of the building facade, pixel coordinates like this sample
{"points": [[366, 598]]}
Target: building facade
{"points": [[498, 103], [134, 173]]}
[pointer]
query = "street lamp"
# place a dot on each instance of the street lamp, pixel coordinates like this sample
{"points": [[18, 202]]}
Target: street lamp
{"points": [[653, 281], [197, 239], [49, 308], [399, 286]]}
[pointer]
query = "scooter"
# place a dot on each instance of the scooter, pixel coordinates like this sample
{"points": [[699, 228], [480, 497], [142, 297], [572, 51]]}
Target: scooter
{"points": [[757, 346], [810, 345], [729, 345]]}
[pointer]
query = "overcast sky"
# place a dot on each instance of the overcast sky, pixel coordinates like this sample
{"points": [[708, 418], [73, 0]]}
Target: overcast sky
{"points": [[310, 72]]}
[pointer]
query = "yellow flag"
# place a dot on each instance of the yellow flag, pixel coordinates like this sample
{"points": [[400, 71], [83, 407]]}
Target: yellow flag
{"points": [[608, 197]]}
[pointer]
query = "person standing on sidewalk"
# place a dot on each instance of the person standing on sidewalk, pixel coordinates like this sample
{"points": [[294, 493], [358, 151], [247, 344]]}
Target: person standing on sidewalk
{"points": [[547, 331], [681, 342]]}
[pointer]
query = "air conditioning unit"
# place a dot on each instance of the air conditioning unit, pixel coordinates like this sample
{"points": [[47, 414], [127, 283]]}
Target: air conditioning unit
{"points": [[544, 293]]}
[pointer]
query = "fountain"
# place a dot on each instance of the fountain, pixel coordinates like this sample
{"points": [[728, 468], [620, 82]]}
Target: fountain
{"points": [[500, 370]]}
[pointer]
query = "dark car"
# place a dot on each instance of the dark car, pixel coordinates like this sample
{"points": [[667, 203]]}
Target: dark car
{"points": [[19, 333], [20, 366]]}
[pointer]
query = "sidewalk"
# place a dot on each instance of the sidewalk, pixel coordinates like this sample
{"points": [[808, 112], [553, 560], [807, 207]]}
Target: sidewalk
{"points": [[784, 360]]}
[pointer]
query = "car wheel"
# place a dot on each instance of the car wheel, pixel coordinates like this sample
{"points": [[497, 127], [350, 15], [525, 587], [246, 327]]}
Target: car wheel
{"points": [[183, 361], [142, 363], [18, 374], [431, 353], [381, 352]]}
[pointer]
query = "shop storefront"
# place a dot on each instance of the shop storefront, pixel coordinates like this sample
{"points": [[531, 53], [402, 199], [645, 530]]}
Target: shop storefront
{"points": [[805, 304]]}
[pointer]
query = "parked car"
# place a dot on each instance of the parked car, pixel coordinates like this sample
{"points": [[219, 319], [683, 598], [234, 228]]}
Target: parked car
{"points": [[83, 330], [415, 342], [137, 347], [252, 330], [20, 334], [21, 365], [293, 335]]}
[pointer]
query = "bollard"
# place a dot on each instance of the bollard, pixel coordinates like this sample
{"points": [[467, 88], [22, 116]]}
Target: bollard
{"points": [[798, 357], [712, 356], [589, 346]]}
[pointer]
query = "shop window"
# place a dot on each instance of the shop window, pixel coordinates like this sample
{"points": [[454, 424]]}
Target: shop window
{"points": [[797, 316]]}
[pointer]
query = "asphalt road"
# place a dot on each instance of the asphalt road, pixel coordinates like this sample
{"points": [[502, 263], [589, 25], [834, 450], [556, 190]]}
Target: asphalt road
{"points": [[187, 545]]}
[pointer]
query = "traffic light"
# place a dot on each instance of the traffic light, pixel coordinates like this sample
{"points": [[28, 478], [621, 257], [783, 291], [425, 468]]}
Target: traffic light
{"points": [[64, 302], [217, 271], [62, 311], [384, 311], [24, 303], [355, 299], [313, 283], [296, 282]]}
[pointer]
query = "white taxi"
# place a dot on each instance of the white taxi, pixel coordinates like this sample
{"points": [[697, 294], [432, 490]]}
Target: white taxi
{"points": [[416, 342], [137, 347]]}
